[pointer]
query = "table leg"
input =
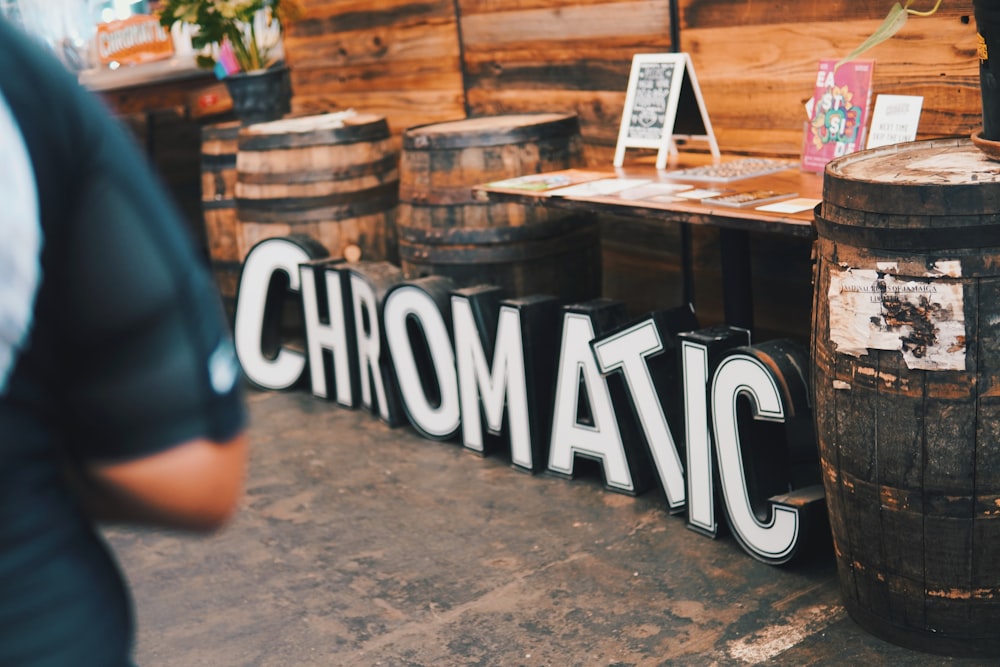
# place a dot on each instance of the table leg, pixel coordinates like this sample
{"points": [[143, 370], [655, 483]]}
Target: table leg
{"points": [[687, 264], [737, 288]]}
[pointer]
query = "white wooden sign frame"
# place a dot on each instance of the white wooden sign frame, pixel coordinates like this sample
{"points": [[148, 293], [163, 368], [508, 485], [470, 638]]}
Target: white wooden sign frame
{"points": [[659, 132]]}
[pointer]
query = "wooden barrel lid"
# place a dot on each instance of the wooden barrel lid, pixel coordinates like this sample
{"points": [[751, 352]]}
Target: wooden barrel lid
{"points": [[319, 130], [490, 131], [936, 177], [926, 196]]}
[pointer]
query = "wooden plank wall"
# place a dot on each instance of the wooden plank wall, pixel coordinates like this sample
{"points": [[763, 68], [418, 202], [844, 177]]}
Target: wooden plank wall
{"points": [[421, 61], [418, 61], [756, 63], [396, 58], [559, 55]]}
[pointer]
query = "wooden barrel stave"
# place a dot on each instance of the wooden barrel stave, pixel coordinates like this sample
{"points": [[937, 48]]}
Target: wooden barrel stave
{"points": [[318, 167], [218, 204], [522, 265], [350, 203], [476, 216]]}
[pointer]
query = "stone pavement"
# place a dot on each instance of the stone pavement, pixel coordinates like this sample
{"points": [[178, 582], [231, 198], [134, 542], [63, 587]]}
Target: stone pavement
{"points": [[363, 545]]}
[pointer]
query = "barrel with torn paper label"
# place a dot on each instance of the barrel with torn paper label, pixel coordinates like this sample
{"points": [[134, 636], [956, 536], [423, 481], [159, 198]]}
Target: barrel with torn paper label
{"points": [[906, 381]]}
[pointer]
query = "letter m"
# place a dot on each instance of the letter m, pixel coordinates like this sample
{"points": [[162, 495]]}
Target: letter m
{"points": [[504, 382]]}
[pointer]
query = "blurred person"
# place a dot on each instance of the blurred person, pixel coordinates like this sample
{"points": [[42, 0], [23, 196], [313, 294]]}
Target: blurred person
{"points": [[120, 394]]}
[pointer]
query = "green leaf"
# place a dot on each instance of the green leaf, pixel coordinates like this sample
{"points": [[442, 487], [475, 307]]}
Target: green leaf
{"points": [[220, 20], [890, 26], [189, 15]]}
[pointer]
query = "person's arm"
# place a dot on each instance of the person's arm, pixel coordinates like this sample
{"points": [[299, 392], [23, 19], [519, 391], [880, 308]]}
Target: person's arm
{"points": [[194, 486]]}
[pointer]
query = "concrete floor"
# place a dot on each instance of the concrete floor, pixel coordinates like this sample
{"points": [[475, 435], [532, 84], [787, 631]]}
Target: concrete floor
{"points": [[361, 545]]}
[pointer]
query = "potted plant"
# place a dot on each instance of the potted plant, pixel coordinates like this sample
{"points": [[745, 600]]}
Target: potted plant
{"points": [[987, 15], [242, 39]]}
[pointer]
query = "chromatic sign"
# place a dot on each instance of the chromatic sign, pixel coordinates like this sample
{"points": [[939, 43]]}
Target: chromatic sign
{"points": [[137, 39], [722, 427]]}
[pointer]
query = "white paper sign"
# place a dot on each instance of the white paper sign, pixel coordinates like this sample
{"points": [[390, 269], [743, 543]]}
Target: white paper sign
{"points": [[924, 318], [894, 119]]}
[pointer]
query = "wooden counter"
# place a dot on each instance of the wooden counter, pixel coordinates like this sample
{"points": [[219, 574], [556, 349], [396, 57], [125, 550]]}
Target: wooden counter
{"points": [[177, 85], [734, 224]]}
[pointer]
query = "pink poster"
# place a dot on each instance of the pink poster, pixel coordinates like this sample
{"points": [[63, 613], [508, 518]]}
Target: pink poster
{"points": [[838, 112]]}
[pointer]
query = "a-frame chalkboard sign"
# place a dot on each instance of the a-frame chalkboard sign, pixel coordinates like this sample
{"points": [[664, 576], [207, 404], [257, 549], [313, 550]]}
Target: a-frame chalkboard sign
{"points": [[663, 103]]}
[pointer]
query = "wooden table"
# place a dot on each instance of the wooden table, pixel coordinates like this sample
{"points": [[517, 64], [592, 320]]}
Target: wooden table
{"points": [[734, 224]]}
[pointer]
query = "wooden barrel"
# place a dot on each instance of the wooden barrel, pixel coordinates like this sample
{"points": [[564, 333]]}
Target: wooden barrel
{"points": [[444, 230], [218, 205], [334, 177], [906, 382]]}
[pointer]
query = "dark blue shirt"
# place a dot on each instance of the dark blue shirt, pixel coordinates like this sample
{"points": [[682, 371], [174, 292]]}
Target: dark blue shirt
{"points": [[127, 354]]}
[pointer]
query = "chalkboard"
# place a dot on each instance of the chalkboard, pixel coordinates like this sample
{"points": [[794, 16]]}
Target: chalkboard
{"points": [[648, 112], [661, 86]]}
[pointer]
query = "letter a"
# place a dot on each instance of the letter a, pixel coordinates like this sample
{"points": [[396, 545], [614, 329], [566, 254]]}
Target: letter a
{"points": [[601, 438]]}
